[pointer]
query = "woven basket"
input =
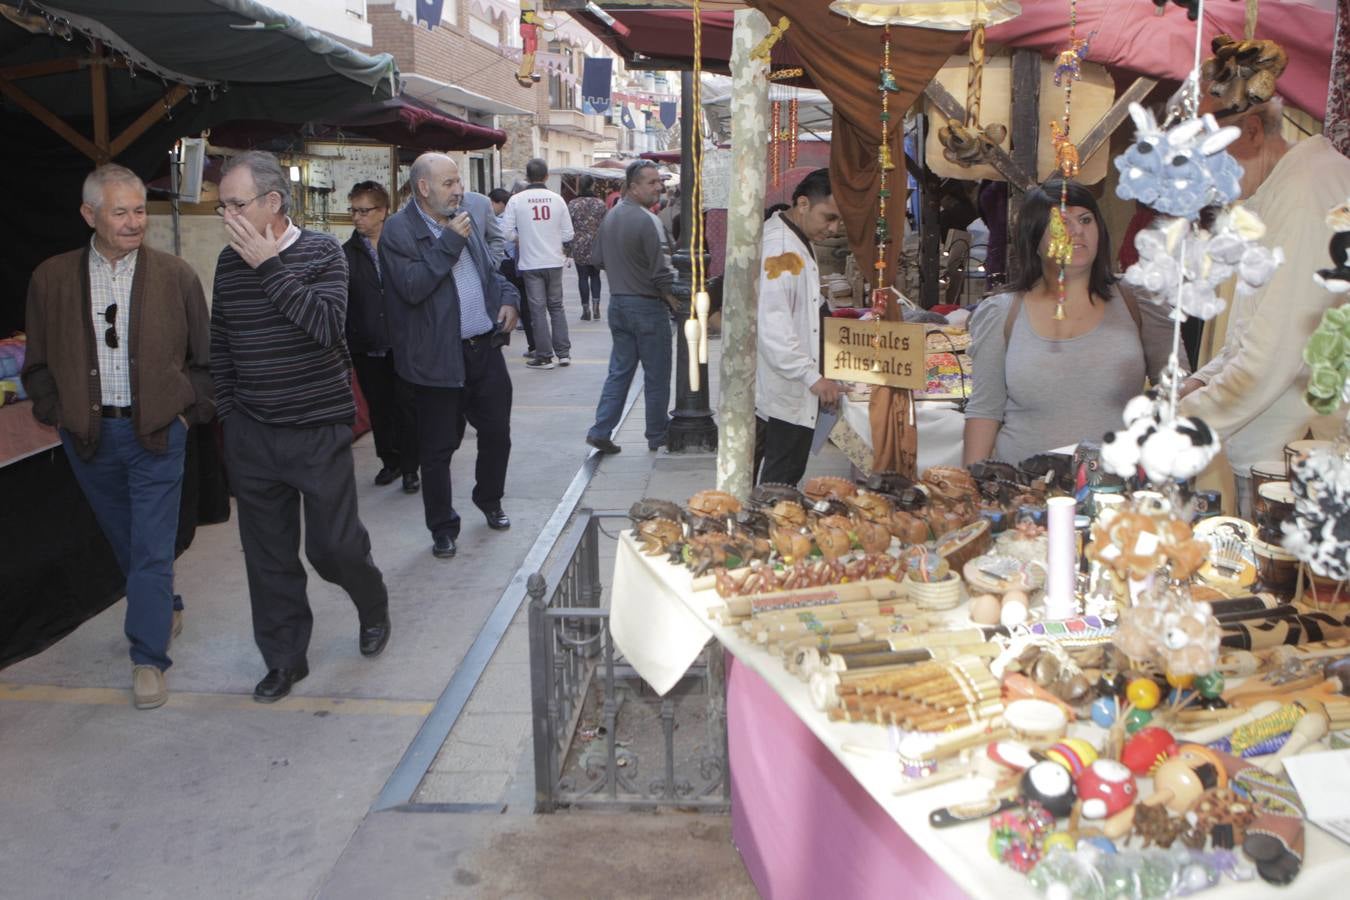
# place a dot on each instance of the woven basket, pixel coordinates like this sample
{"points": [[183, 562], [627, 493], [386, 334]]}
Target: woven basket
{"points": [[935, 595]]}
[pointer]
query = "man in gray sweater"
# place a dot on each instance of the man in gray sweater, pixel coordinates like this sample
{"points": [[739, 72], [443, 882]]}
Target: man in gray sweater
{"points": [[631, 248]]}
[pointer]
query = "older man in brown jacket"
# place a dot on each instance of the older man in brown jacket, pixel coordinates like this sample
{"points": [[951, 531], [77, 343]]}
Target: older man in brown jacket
{"points": [[118, 358]]}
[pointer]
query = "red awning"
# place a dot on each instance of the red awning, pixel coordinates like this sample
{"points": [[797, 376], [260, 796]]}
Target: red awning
{"points": [[658, 36]]}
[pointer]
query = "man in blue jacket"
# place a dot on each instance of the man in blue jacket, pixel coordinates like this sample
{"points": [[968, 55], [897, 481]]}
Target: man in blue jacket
{"points": [[450, 313]]}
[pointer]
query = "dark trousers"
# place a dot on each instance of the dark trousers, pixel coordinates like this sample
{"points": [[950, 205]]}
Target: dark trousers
{"points": [[134, 494], [508, 270], [393, 417], [271, 467], [588, 282], [485, 403], [781, 451]]}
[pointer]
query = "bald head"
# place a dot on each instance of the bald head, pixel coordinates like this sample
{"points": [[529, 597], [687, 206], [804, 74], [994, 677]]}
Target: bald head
{"points": [[436, 184]]}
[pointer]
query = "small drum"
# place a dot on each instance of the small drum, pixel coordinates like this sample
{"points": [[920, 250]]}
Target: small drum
{"points": [[1277, 507], [1296, 450], [1264, 473]]}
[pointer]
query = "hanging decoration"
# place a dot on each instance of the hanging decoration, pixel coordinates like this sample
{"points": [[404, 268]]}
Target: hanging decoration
{"points": [[886, 85], [1067, 71], [792, 133], [530, 23], [968, 144], [1243, 73], [1337, 278], [775, 131], [696, 326]]}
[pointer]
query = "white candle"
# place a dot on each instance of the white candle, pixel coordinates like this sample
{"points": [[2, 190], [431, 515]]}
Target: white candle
{"points": [[1061, 559]]}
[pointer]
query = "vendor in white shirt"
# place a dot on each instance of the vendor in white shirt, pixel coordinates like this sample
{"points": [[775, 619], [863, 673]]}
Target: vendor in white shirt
{"points": [[789, 387], [1251, 392]]}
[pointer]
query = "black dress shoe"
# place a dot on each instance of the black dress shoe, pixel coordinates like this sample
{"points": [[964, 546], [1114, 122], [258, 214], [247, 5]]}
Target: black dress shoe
{"points": [[496, 519], [278, 683], [604, 445], [386, 476], [374, 638], [444, 548], [411, 483]]}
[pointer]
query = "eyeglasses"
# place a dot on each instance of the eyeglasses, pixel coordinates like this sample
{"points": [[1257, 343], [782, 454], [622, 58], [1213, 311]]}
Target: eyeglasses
{"points": [[110, 316], [237, 206], [363, 210]]}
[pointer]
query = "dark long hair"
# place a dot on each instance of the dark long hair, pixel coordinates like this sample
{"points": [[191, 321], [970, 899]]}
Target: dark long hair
{"points": [[1030, 228]]}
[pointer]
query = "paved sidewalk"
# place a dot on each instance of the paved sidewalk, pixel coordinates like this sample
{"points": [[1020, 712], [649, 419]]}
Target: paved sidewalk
{"points": [[216, 796]]}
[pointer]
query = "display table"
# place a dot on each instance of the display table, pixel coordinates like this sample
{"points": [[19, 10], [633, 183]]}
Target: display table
{"points": [[21, 435], [812, 818]]}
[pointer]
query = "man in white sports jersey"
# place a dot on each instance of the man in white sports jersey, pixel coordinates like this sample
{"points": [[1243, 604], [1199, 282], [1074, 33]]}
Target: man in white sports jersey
{"points": [[537, 219]]}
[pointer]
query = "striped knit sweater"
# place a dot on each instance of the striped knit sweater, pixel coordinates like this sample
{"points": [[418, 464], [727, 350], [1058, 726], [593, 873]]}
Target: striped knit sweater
{"points": [[278, 353]]}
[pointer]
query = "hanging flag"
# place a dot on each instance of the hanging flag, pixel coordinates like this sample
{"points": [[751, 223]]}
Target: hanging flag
{"points": [[428, 11], [668, 113], [596, 75], [626, 116]]}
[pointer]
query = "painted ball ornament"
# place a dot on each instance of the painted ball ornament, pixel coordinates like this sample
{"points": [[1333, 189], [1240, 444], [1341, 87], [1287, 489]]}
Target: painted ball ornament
{"points": [[1180, 682], [1104, 711], [1137, 719], [1144, 693], [1210, 685], [1074, 754], [1106, 788], [1148, 748], [1049, 784]]}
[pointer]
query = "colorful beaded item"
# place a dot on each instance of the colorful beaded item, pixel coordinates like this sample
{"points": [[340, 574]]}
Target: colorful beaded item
{"points": [[1016, 835]]}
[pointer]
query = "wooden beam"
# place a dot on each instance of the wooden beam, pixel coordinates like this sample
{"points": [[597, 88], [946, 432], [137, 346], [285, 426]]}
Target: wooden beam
{"points": [[98, 89], [998, 157], [1119, 111], [148, 118], [46, 67], [1025, 122], [46, 117]]}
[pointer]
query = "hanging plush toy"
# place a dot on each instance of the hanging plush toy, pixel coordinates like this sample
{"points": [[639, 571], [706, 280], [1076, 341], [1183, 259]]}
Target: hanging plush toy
{"points": [[1337, 278], [1167, 451], [1182, 170]]}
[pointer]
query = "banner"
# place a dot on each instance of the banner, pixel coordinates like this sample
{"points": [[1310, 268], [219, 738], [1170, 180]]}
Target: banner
{"points": [[626, 116], [595, 85], [428, 11], [669, 114]]}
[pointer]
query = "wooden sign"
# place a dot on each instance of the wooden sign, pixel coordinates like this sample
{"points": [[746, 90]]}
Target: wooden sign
{"points": [[890, 353]]}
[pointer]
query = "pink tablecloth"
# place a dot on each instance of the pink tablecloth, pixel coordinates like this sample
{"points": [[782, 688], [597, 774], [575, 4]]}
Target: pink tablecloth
{"points": [[803, 825]]}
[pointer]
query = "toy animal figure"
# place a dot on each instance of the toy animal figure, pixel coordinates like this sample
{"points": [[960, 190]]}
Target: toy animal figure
{"points": [[530, 23], [1243, 73], [1068, 64], [1066, 151], [1060, 248], [1088, 473], [1179, 171], [967, 146], [1337, 278]]}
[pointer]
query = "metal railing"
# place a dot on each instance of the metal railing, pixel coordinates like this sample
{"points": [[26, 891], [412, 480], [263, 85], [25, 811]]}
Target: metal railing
{"points": [[576, 671]]}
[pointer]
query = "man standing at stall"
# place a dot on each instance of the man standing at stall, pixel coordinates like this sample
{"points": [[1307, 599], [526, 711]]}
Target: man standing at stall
{"points": [[789, 388], [392, 417], [452, 313], [123, 395], [537, 219], [1251, 392], [631, 248], [284, 394]]}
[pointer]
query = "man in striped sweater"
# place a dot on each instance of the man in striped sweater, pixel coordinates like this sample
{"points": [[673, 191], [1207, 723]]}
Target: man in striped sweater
{"points": [[282, 379]]}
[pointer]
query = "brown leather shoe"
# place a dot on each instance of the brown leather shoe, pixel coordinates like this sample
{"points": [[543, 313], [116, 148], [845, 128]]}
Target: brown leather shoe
{"points": [[148, 687]]}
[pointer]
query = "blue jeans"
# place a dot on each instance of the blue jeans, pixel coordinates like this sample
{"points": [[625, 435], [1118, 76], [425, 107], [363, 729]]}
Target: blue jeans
{"points": [[640, 327], [135, 494]]}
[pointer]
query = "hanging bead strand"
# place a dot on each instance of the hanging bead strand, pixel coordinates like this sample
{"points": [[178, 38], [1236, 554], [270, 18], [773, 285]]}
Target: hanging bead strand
{"points": [[1061, 244]]}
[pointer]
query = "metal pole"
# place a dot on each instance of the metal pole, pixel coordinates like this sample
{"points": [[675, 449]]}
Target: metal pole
{"points": [[691, 424], [175, 181], [745, 228]]}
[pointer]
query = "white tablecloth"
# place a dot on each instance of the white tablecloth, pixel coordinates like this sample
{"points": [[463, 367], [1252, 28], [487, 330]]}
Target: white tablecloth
{"points": [[941, 427], [659, 624]]}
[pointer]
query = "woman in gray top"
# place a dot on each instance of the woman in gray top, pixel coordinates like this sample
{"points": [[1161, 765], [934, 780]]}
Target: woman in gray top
{"points": [[1041, 382]]}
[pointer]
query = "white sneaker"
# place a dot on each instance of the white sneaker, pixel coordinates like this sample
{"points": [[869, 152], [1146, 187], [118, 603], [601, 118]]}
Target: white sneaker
{"points": [[564, 360]]}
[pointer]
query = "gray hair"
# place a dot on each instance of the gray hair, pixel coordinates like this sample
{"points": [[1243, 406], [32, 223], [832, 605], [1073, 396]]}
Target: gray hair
{"points": [[421, 168], [267, 175], [630, 172], [110, 173], [1271, 114]]}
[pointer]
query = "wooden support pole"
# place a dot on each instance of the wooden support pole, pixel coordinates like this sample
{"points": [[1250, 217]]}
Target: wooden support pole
{"points": [[740, 283], [1025, 130], [45, 67], [98, 90], [48, 118], [148, 118]]}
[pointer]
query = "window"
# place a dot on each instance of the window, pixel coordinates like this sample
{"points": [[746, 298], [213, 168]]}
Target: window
{"points": [[484, 30]]}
